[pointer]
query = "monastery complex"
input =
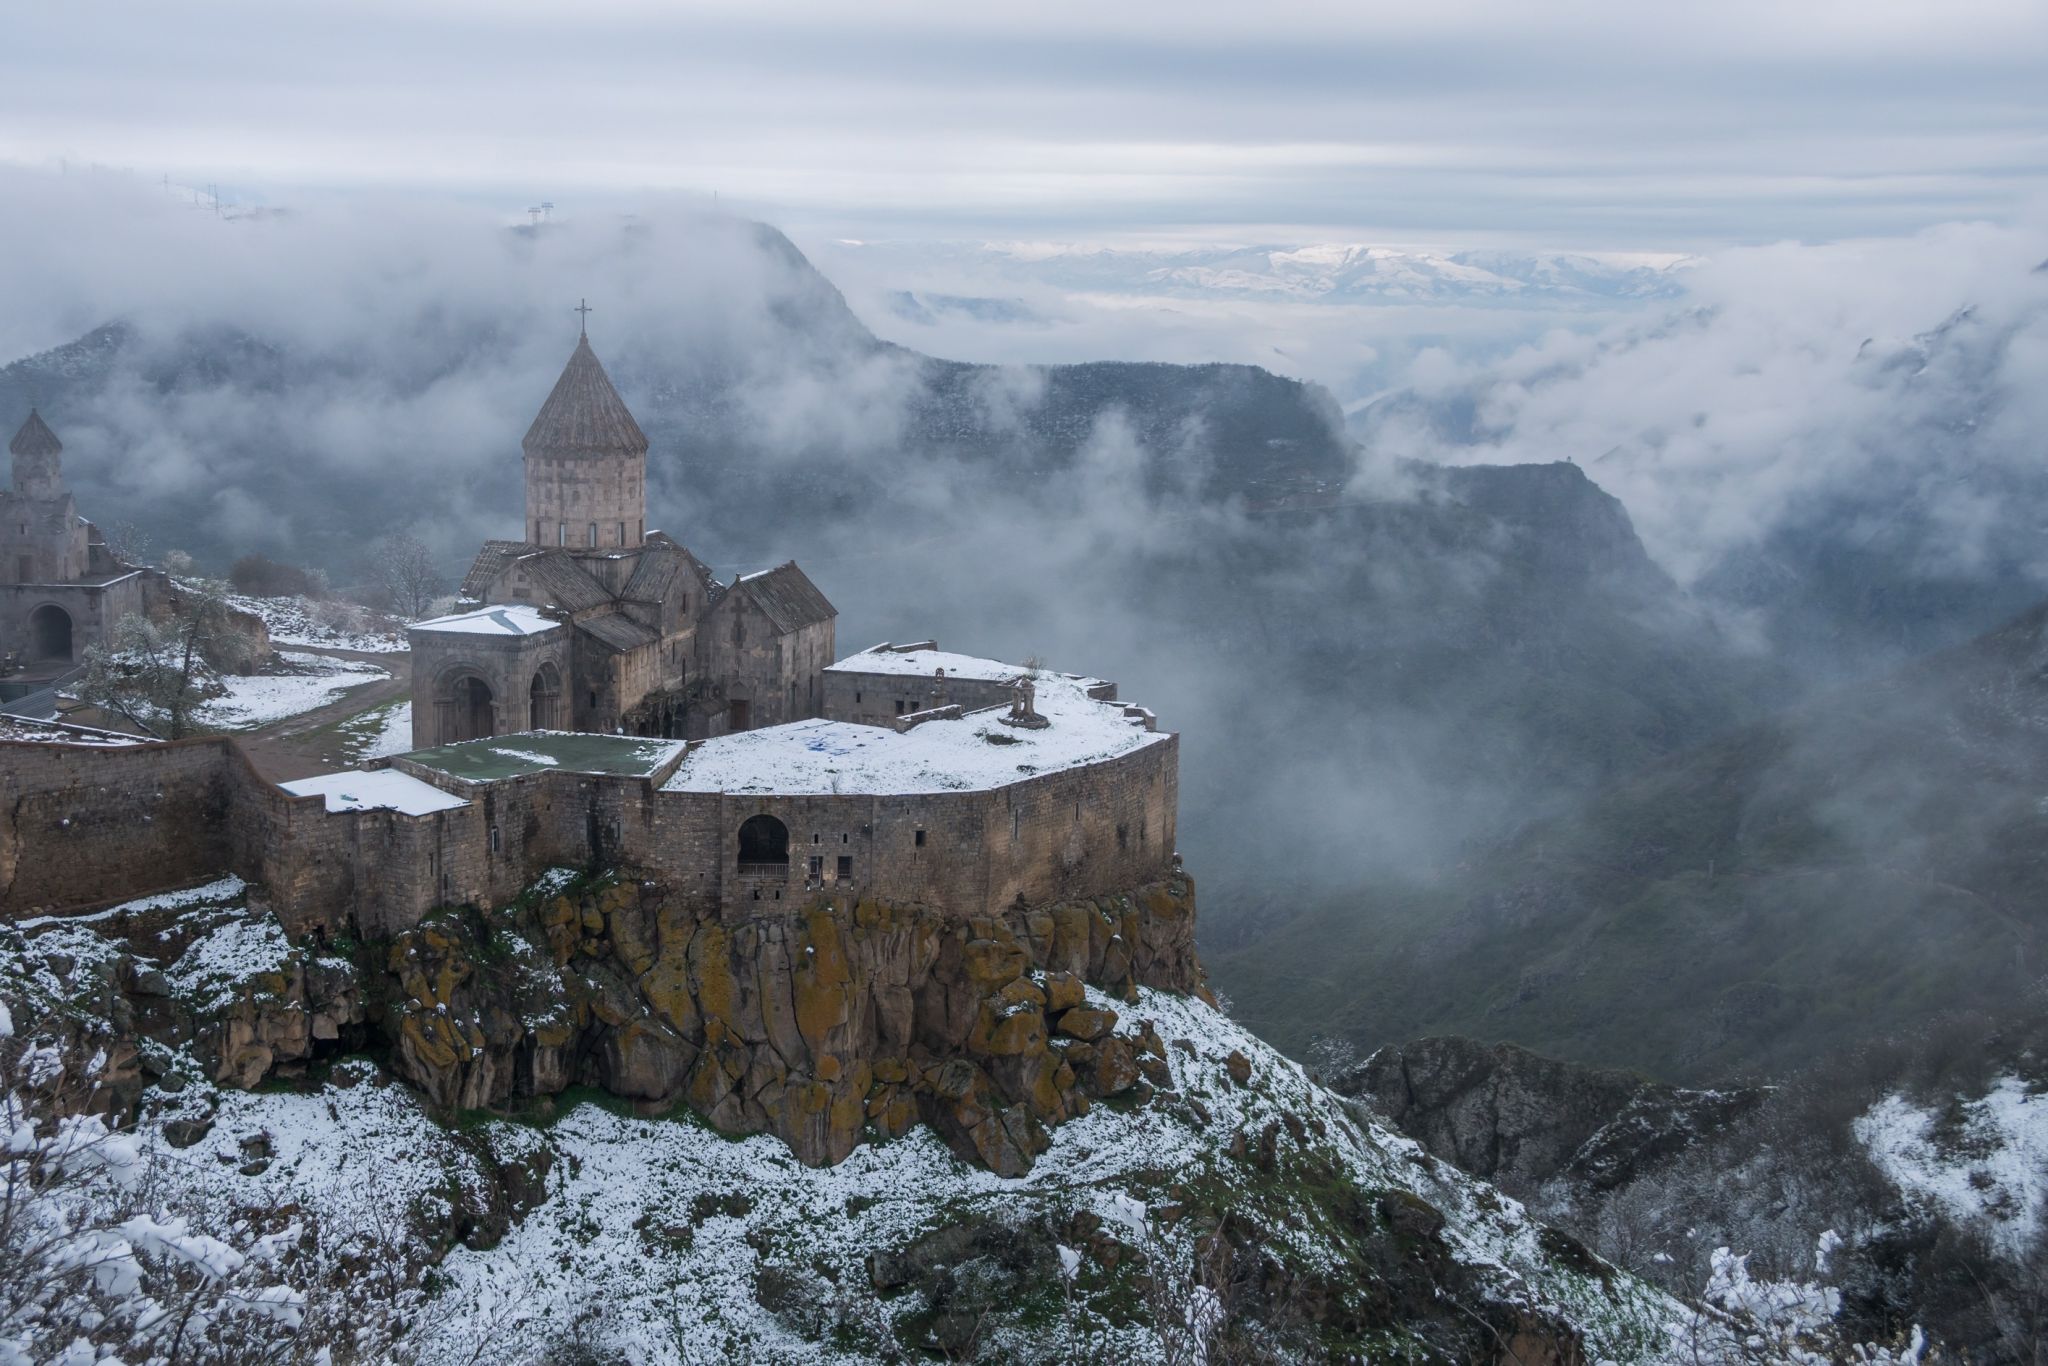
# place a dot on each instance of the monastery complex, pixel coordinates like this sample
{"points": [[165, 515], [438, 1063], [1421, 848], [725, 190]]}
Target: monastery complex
{"points": [[598, 699]]}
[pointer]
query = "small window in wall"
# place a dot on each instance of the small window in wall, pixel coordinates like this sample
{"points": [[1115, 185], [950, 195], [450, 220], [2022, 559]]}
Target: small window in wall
{"points": [[1016, 823], [856, 696], [495, 846], [845, 868], [1123, 837], [683, 604], [899, 706], [561, 533], [593, 534], [593, 699], [845, 839], [817, 878], [622, 533], [816, 838], [919, 840]]}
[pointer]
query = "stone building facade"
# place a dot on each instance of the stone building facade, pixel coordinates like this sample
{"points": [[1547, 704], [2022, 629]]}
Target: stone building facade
{"points": [[61, 588], [94, 825], [627, 631]]}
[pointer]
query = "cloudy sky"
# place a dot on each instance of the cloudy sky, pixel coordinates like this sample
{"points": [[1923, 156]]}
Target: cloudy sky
{"points": [[1588, 124]]}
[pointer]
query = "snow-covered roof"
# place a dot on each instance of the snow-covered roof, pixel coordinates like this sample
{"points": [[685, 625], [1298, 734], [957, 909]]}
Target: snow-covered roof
{"points": [[925, 661], [375, 790], [885, 659], [492, 621], [976, 752]]}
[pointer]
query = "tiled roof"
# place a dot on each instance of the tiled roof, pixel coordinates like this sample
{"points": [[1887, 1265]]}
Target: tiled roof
{"points": [[788, 596], [490, 562], [35, 437], [584, 415], [617, 631], [661, 567], [560, 577]]}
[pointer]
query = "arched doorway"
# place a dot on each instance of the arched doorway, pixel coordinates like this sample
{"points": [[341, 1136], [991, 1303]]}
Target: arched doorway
{"points": [[764, 845], [480, 722], [49, 634], [544, 699], [462, 706]]}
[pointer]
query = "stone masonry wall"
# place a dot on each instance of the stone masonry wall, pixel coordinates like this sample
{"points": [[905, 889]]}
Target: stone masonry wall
{"points": [[81, 825], [88, 826]]}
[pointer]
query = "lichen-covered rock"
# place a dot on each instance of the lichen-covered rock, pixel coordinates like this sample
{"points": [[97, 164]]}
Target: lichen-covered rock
{"points": [[820, 1024]]}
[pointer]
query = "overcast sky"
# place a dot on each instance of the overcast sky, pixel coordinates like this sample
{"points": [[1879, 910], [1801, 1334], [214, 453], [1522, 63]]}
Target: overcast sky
{"points": [[1619, 124]]}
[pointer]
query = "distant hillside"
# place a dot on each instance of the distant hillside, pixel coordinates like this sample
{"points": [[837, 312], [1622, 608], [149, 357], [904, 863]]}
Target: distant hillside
{"points": [[195, 429], [1856, 866]]}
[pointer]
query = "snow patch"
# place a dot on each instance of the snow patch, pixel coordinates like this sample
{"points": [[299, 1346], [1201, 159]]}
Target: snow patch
{"points": [[1982, 1162], [260, 699]]}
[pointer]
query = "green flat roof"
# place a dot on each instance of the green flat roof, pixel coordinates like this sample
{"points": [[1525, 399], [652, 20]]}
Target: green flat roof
{"points": [[509, 756]]}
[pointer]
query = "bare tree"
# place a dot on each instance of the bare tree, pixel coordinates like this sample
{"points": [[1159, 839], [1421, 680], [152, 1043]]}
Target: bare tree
{"points": [[405, 568], [157, 672]]}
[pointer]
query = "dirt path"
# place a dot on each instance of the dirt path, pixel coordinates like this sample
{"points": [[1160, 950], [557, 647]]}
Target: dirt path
{"points": [[303, 745]]}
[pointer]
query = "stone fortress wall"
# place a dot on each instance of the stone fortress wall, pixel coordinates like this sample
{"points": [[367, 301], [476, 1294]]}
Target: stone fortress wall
{"points": [[88, 826]]}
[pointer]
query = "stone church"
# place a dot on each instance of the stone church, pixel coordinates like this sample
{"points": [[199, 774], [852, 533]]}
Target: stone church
{"points": [[61, 587], [593, 623]]}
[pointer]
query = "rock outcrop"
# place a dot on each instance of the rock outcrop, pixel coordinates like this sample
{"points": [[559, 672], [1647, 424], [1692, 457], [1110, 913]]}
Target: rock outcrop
{"points": [[817, 1026], [1511, 1117]]}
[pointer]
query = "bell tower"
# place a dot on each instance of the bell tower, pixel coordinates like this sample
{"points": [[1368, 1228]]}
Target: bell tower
{"points": [[36, 451], [586, 462]]}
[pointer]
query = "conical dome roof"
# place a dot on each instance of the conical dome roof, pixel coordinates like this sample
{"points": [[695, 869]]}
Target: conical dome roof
{"points": [[36, 438], [584, 415]]}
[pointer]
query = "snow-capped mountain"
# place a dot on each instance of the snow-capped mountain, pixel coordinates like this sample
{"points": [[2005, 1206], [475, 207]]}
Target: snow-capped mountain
{"points": [[1316, 272]]}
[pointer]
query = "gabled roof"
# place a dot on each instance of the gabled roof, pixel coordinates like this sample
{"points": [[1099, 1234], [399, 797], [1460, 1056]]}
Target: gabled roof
{"points": [[662, 565], [584, 415], [35, 437], [617, 631], [788, 596], [559, 576], [490, 562]]}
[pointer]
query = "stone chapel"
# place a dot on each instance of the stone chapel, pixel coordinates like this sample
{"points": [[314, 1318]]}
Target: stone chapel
{"points": [[62, 588], [590, 622]]}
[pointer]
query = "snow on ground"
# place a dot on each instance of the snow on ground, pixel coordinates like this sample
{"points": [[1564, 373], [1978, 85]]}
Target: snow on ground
{"points": [[378, 733], [211, 970], [225, 891], [376, 789], [1981, 1162], [662, 1224], [975, 752], [334, 626], [260, 699]]}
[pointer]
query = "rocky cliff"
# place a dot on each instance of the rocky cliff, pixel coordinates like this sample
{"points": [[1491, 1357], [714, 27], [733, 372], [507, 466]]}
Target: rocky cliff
{"points": [[816, 1027], [1521, 1121]]}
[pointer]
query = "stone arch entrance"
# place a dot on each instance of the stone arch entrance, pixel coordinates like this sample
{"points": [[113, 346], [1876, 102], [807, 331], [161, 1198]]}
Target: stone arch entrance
{"points": [[544, 699], [463, 708], [49, 634], [764, 845]]}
